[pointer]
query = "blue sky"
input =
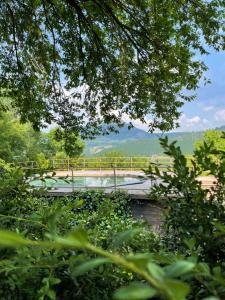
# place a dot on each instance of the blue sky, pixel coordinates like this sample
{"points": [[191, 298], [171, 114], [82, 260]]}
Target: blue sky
{"points": [[208, 110]]}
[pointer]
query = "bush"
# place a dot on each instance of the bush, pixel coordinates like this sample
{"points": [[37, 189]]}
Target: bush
{"points": [[11, 180], [194, 216], [29, 273], [107, 250], [42, 163]]}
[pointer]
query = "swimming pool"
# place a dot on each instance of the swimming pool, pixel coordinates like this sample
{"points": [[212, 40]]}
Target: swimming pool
{"points": [[87, 181]]}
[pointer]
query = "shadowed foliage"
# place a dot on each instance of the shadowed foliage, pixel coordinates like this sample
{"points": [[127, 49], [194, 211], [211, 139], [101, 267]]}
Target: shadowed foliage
{"points": [[84, 63]]}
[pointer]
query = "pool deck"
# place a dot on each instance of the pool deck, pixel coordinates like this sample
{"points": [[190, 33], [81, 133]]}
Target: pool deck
{"points": [[99, 173], [138, 191], [150, 211]]}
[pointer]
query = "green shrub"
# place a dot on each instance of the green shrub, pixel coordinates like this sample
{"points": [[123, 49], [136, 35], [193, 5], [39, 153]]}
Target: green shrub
{"points": [[194, 215], [11, 180], [30, 273], [42, 163], [107, 250]]}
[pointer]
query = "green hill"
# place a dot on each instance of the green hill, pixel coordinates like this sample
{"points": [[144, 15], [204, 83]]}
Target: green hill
{"points": [[151, 146], [137, 142]]}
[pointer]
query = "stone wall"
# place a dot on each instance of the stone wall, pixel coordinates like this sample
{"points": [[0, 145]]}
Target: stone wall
{"points": [[151, 211]]}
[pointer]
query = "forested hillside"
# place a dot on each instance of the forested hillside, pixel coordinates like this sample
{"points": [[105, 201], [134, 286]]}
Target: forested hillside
{"points": [[138, 142]]}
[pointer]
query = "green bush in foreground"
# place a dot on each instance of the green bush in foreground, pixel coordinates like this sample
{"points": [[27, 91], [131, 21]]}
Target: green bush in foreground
{"points": [[88, 246], [46, 273]]}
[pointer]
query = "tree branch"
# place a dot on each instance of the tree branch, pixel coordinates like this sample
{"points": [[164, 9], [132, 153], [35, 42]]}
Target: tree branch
{"points": [[14, 36]]}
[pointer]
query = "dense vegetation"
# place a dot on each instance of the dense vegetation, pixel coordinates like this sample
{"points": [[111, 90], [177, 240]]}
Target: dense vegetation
{"points": [[19, 142], [82, 65], [212, 136], [88, 245]]}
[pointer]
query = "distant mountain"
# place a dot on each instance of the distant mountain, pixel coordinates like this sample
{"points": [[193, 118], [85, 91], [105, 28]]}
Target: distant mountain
{"points": [[222, 128], [139, 142], [103, 142], [127, 134]]}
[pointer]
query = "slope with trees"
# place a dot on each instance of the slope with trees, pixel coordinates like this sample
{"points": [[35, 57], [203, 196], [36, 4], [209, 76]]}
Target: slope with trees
{"points": [[215, 137], [20, 142]]}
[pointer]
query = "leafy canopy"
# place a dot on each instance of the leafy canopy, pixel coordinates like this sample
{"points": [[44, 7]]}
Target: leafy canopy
{"points": [[57, 141], [81, 64], [19, 142], [213, 136]]}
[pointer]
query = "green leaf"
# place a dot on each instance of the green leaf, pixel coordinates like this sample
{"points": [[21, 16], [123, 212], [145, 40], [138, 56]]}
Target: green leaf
{"points": [[203, 268], [220, 227], [12, 239], [89, 265], [51, 294], [177, 290], [135, 291], [179, 268], [140, 259], [79, 203], [211, 298], [126, 235], [54, 280], [156, 271], [77, 239], [190, 243]]}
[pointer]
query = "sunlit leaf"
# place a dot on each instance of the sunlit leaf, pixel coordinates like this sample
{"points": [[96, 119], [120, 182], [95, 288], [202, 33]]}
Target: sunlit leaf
{"points": [[126, 235], [177, 290], [77, 239], [179, 268], [140, 259], [12, 239], [89, 265], [156, 271], [135, 291]]}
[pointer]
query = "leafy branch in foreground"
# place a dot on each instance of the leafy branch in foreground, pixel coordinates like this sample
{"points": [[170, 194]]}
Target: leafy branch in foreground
{"points": [[192, 210], [161, 282]]}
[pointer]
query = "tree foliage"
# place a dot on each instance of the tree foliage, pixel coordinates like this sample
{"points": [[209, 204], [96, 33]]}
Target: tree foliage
{"points": [[84, 63], [215, 137], [193, 212], [65, 143], [19, 142]]}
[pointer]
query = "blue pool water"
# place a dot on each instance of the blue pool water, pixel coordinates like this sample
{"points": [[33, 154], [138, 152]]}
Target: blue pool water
{"points": [[89, 181]]}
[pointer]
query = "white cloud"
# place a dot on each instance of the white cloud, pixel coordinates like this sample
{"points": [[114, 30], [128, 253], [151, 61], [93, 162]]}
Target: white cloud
{"points": [[137, 123], [208, 108], [220, 115], [195, 123]]}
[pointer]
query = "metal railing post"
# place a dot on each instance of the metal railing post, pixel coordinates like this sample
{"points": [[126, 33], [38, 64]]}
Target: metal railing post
{"points": [[72, 180], [114, 176], [68, 164]]}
